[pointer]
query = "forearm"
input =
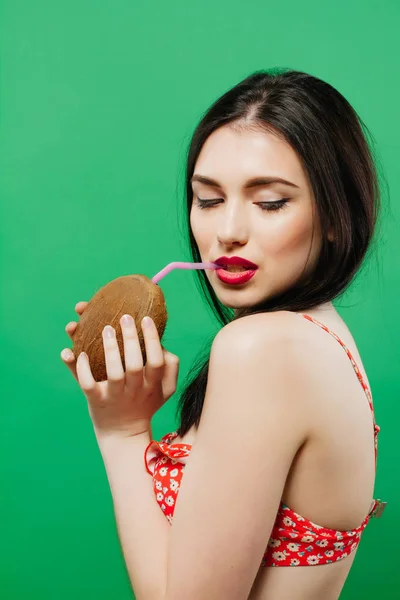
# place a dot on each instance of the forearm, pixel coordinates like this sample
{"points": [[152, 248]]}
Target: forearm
{"points": [[142, 528]]}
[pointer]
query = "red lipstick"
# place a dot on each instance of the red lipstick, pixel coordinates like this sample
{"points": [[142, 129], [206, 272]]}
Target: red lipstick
{"points": [[235, 277]]}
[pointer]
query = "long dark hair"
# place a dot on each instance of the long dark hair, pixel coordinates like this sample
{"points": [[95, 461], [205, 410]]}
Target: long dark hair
{"points": [[330, 140]]}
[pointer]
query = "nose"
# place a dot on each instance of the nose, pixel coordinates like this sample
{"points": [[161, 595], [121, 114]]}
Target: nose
{"points": [[232, 226]]}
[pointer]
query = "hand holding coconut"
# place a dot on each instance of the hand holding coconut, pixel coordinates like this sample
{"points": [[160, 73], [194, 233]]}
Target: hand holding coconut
{"points": [[123, 370], [125, 403]]}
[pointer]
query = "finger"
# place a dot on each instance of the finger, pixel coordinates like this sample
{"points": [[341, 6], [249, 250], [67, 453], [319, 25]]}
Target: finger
{"points": [[80, 306], [86, 380], [154, 369], [115, 371], [171, 374], [132, 352], [68, 359], [70, 328]]}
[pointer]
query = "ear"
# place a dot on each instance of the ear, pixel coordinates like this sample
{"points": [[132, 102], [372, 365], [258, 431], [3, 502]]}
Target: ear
{"points": [[331, 235]]}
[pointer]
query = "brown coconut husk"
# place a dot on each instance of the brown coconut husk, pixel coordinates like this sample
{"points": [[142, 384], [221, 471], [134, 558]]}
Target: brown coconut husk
{"points": [[135, 295]]}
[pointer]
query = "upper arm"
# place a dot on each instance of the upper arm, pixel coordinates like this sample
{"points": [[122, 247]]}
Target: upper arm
{"points": [[251, 427]]}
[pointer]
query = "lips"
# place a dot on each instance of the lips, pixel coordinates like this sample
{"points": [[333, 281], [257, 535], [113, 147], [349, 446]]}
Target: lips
{"points": [[236, 277], [225, 261]]}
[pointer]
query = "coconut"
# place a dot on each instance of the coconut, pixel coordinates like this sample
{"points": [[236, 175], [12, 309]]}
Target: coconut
{"points": [[135, 295]]}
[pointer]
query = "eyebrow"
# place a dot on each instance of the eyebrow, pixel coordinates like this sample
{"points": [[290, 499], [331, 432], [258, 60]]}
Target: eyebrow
{"points": [[250, 183]]}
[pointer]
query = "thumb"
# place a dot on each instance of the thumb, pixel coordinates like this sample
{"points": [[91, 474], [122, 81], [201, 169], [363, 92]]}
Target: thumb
{"points": [[171, 373]]}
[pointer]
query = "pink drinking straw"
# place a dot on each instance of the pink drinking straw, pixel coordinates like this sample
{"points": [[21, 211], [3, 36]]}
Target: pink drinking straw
{"points": [[183, 265]]}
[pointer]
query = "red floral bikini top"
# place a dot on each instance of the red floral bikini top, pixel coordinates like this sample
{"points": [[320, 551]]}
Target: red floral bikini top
{"points": [[294, 540]]}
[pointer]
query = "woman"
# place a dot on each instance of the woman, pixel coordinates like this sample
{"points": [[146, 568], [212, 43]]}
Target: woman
{"points": [[278, 422]]}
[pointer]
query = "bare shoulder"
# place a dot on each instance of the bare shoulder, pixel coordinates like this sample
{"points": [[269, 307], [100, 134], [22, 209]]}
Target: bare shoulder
{"points": [[262, 328], [273, 345], [267, 346]]}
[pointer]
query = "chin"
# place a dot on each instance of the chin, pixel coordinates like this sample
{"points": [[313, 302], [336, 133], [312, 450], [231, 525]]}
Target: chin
{"points": [[238, 297], [230, 301]]}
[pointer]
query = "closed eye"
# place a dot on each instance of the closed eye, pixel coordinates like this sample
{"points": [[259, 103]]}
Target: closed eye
{"points": [[268, 206]]}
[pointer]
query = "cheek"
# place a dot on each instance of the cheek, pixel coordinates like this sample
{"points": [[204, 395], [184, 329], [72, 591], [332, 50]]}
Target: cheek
{"points": [[200, 228], [291, 233]]}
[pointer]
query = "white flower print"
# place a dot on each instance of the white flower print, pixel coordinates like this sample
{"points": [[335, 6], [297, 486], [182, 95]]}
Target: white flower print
{"points": [[329, 553], [339, 545], [173, 461], [274, 543], [163, 471], [313, 560], [160, 496], [169, 500], [322, 543], [278, 556], [163, 506], [293, 547], [174, 485], [174, 472], [159, 485], [288, 522], [307, 538], [294, 562], [165, 490]]}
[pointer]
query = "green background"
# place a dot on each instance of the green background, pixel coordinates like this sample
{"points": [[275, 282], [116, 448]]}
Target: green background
{"points": [[98, 100]]}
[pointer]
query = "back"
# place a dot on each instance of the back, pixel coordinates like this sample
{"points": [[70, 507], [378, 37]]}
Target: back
{"points": [[342, 441], [331, 480]]}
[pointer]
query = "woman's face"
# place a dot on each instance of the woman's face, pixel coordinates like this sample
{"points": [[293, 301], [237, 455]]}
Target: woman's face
{"points": [[242, 223]]}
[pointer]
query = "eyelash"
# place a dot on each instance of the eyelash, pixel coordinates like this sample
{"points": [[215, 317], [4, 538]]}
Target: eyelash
{"points": [[267, 206]]}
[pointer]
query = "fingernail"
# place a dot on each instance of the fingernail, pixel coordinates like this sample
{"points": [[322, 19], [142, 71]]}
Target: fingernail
{"points": [[127, 320], [147, 322], [66, 354], [108, 331]]}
